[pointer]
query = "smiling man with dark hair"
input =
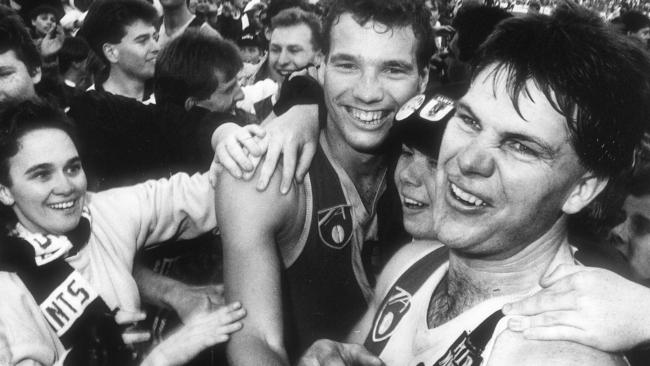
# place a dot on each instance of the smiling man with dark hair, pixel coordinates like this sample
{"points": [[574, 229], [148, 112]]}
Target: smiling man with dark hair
{"points": [[553, 113], [304, 262]]}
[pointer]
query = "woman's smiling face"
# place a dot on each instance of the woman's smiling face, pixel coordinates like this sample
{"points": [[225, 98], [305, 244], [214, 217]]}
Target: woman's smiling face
{"points": [[47, 183]]}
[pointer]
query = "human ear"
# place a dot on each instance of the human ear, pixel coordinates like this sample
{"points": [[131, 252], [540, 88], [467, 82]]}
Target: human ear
{"points": [[6, 197], [586, 190], [110, 52]]}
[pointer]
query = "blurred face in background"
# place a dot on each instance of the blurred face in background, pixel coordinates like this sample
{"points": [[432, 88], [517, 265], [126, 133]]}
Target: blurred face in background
{"points": [[632, 236], [642, 36], [44, 23], [136, 53], [16, 81], [290, 49]]}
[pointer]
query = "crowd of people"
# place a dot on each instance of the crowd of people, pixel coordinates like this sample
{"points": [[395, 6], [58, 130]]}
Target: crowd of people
{"points": [[334, 182]]}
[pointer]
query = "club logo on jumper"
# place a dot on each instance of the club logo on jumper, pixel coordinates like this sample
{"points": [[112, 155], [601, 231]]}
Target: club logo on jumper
{"points": [[437, 109], [67, 302], [409, 107], [461, 353], [335, 226], [396, 305]]}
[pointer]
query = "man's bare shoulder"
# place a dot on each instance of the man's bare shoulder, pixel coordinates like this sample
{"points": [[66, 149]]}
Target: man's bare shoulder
{"points": [[511, 348], [240, 197], [227, 184]]}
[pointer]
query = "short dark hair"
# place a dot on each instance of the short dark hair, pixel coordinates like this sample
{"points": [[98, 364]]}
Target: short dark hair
{"points": [[74, 49], [18, 120], [392, 13], [15, 37], [107, 20], [473, 25], [186, 67], [634, 20], [597, 79], [296, 16]]}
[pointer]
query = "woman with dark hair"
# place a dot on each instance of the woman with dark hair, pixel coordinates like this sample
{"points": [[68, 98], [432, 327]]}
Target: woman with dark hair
{"points": [[66, 255]]}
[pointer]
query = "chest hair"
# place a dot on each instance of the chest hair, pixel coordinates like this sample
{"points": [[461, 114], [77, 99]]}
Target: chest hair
{"points": [[451, 298]]}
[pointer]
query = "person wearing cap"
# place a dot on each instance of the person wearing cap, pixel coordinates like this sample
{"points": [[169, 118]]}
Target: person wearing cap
{"points": [[42, 16], [251, 48]]}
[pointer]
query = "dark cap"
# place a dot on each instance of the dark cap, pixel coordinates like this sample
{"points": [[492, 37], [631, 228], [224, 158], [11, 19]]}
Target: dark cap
{"points": [[249, 39], [421, 122]]}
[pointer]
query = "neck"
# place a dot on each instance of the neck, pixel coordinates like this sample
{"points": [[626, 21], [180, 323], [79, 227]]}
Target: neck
{"points": [[175, 18], [358, 165], [121, 84], [471, 280], [515, 274], [366, 170]]}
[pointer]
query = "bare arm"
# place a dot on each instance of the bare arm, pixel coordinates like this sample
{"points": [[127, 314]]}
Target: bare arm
{"points": [[250, 223]]}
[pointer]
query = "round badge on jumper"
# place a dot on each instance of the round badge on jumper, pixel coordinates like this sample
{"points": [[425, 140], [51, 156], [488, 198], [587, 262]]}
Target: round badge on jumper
{"points": [[409, 107], [438, 108]]}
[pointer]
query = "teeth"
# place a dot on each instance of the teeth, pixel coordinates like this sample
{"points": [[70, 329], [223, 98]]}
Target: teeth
{"points": [[373, 117], [466, 197], [62, 205], [412, 203]]}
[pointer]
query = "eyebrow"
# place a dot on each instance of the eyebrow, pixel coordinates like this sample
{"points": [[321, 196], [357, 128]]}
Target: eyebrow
{"points": [[342, 57], [400, 64], [36, 167], [390, 63], [142, 37], [461, 105], [547, 150], [7, 68]]}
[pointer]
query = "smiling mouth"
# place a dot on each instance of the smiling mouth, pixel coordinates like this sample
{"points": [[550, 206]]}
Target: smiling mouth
{"points": [[372, 118], [465, 198], [413, 204], [63, 205]]}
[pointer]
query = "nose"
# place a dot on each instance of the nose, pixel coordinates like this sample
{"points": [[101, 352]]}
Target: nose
{"points": [[369, 89], [155, 47], [63, 185], [284, 59], [620, 234], [474, 159], [410, 174]]}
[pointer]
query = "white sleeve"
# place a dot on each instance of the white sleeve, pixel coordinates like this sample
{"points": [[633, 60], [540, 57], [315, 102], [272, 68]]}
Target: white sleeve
{"points": [[181, 207]]}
